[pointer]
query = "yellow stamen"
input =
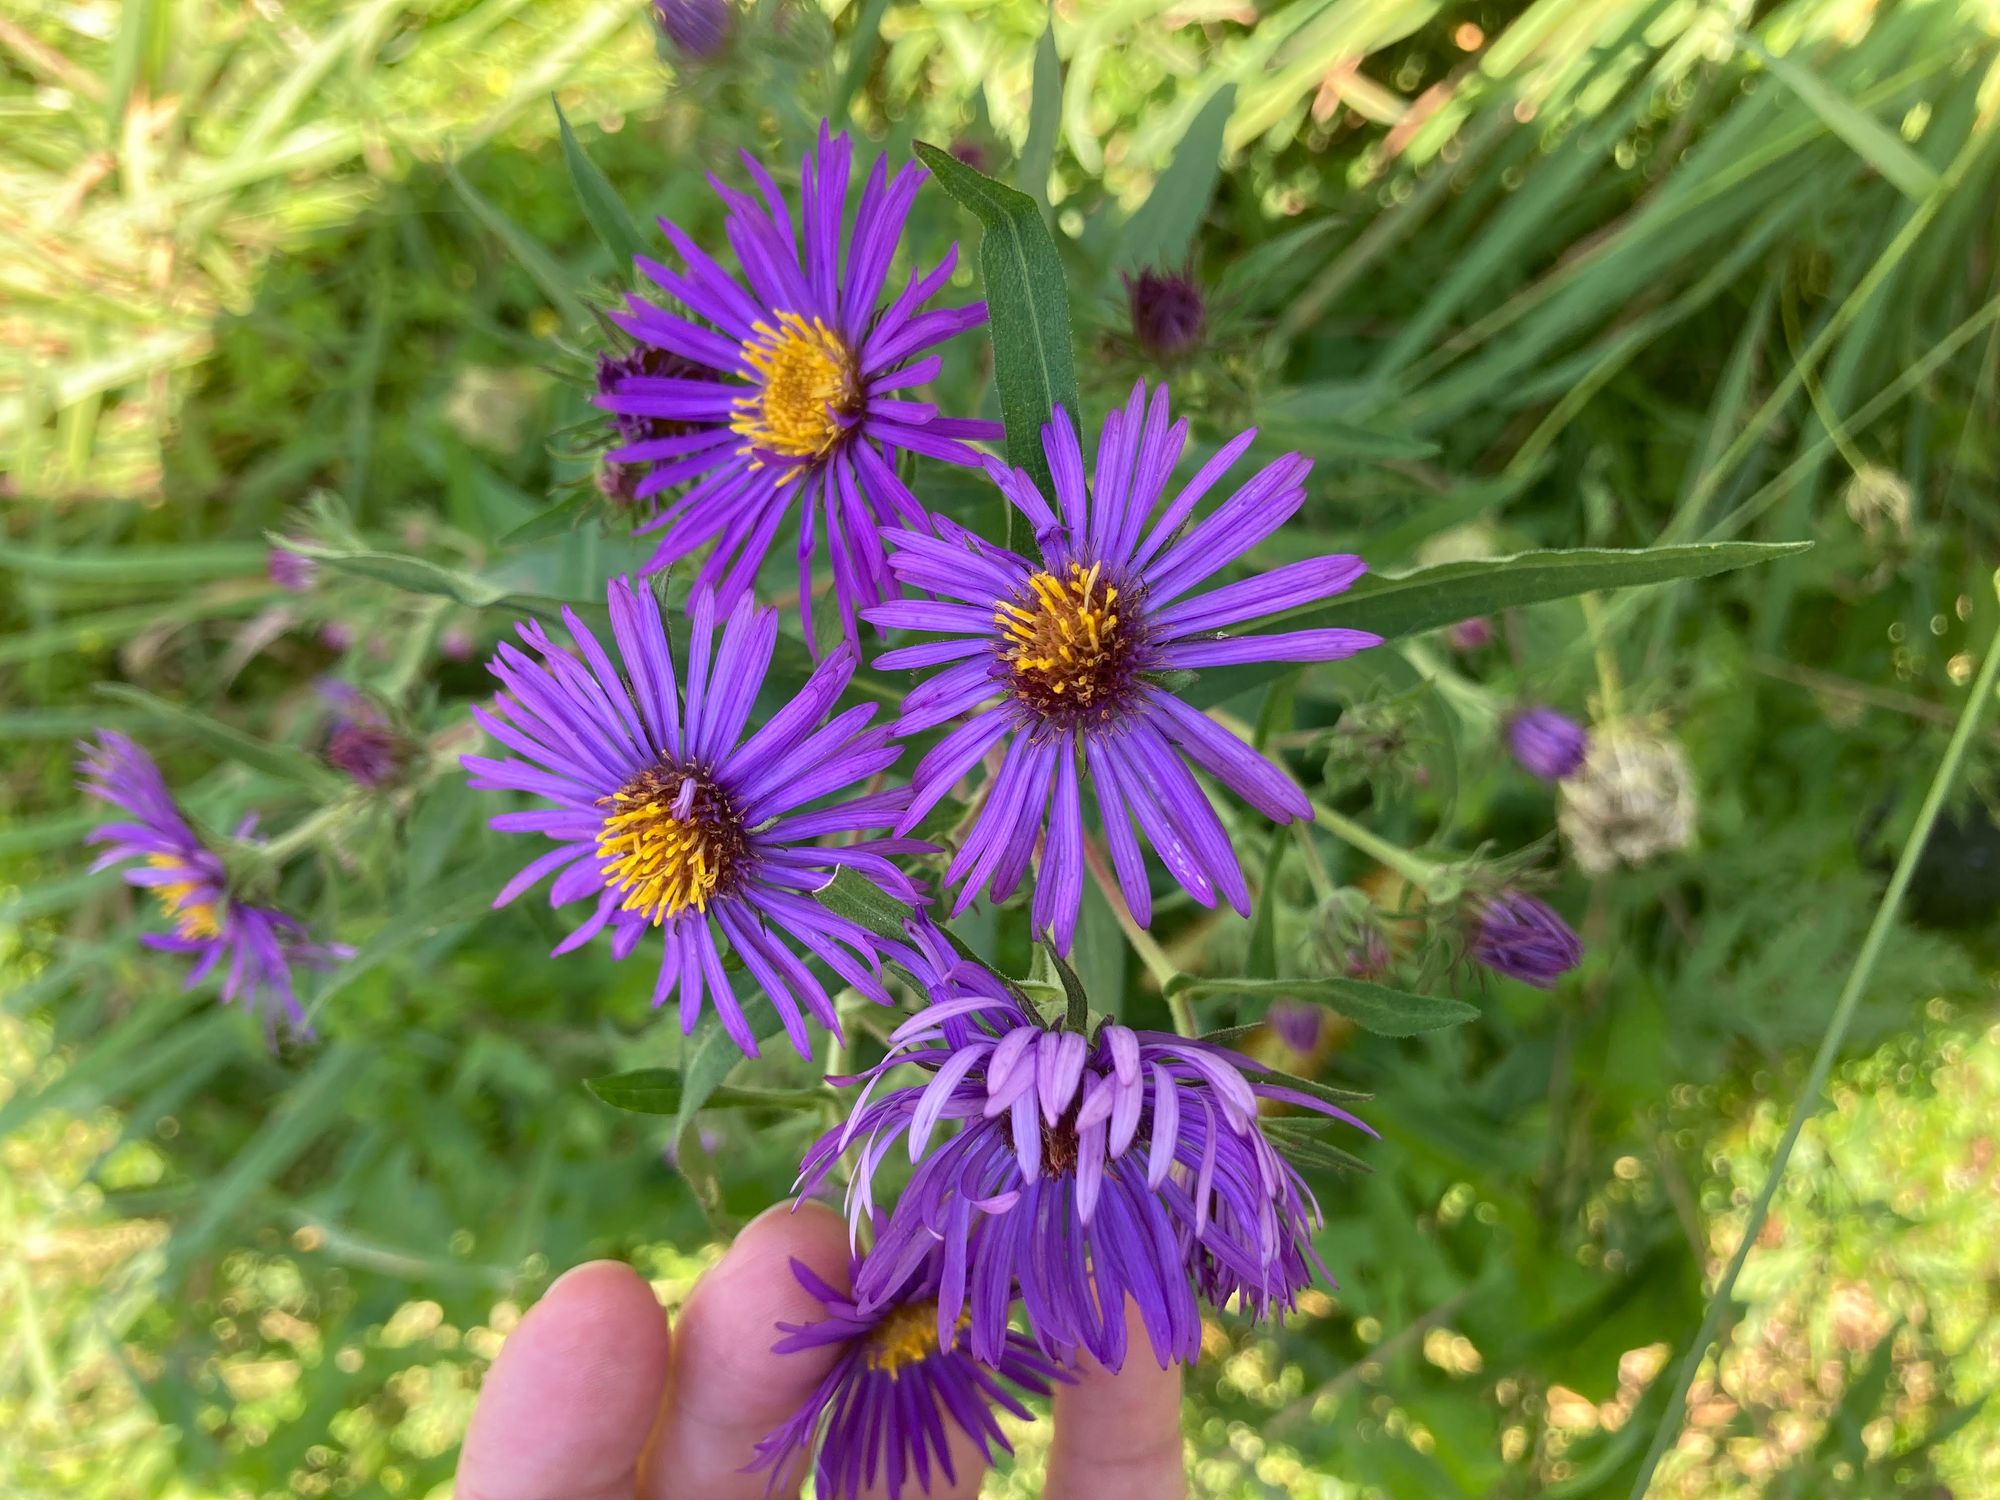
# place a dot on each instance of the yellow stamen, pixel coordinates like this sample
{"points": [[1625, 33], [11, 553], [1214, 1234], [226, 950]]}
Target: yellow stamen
{"points": [[808, 382], [668, 846], [1063, 642], [180, 901], [907, 1336]]}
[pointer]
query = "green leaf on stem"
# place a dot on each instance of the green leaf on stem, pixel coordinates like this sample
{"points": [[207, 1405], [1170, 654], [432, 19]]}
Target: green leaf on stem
{"points": [[1076, 1014], [1027, 304], [852, 895], [601, 204], [1372, 1007]]}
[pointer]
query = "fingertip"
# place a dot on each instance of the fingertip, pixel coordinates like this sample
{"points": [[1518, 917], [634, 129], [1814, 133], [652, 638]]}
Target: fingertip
{"points": [[1118, 1437], [568, 1404], [728, 1388]]}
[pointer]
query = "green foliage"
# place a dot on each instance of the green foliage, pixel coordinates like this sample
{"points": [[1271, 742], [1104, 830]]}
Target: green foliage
{"points": [[1590, 317]]}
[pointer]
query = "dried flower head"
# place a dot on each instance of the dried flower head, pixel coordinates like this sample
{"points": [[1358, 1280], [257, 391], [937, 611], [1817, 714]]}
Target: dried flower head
{"points": [[1632, 800]]}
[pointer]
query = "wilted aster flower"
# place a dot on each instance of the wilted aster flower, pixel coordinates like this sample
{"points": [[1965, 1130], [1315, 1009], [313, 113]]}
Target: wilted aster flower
{"points": [[796, 396], [259, 944], [1632, 800], [1521, 936], [360, 740], [665, 816], [697, 28], [1084, 1169], [1062, 660], [289, 570], [895, 1381], [1546, 743], [1168, 314]]}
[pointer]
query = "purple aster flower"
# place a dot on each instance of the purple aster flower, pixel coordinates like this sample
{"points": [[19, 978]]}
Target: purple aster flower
{"points": [[1168, 314], [359, 739], [799, 391], [258, 944], [1084, 1170], [1059, 663], [895, 1382], [697, 28], [1547, 744], [664, 815], [1521, 936], [289, 570]]}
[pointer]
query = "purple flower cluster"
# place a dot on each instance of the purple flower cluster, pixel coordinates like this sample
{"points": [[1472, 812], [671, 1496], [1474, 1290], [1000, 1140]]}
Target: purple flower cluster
{"points": [[1084, 1170], [1057, 1172]]}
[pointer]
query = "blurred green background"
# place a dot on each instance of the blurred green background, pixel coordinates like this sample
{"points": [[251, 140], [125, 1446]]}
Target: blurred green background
{"points": [[1593, 272]]}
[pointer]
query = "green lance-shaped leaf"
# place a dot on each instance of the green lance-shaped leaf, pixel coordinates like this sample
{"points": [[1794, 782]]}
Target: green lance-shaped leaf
{"points": [[854, 896], [601, 204], [228, 741], [1038, 152], [1163, 229], [417, 575], [1428, 598], [712, 1054], [660, 1091], [548, 273], [1372, 1007], [1027, 306], [1076, 1011]]}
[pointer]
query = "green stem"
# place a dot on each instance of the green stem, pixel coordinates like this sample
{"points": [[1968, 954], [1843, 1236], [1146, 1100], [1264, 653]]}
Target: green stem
{"points": [[1829, 1048], [300, 834], [1420, 872]]}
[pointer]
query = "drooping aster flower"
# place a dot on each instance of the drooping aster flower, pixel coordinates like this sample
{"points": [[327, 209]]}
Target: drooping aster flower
{"points": [[256, 946], [664, 815], [1521, 936], [795, 398], [1061, 659], [1083, 1170], [1546, 742], [895, 1382]]}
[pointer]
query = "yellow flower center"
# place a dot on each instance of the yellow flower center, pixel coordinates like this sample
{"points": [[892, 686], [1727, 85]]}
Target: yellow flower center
{"points": [[182, 903], [808, 383], [1063, 643], [671, 840], [907, 1336]]}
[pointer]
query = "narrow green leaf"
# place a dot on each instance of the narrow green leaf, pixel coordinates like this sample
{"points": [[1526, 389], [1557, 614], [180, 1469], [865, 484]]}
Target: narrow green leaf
{"points": [[1432, 597], [1076, 1013], [1027, 304], [852, 895], [171, 565], [306, 1113], [712, 1054], [1871, 140], [1373, 1007], [1162, 232], [862, 44], [601, 204], [1038, 151], [226, 740], [417, 575], [659, 1091], [1298, 1144], [556, 283]]}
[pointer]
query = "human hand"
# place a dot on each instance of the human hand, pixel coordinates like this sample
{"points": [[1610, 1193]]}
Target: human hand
{"points": [[593, 1397]]}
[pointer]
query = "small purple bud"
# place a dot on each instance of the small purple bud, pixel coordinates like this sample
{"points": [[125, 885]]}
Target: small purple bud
{"points": [[360, 741], [337, 635], [619, 483], [1296, 1023], [972, 153], [1470, 635], [289, 570], [1521, 936], [1168, 315], [1548, 744], [457, 644], [697, 28]]}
